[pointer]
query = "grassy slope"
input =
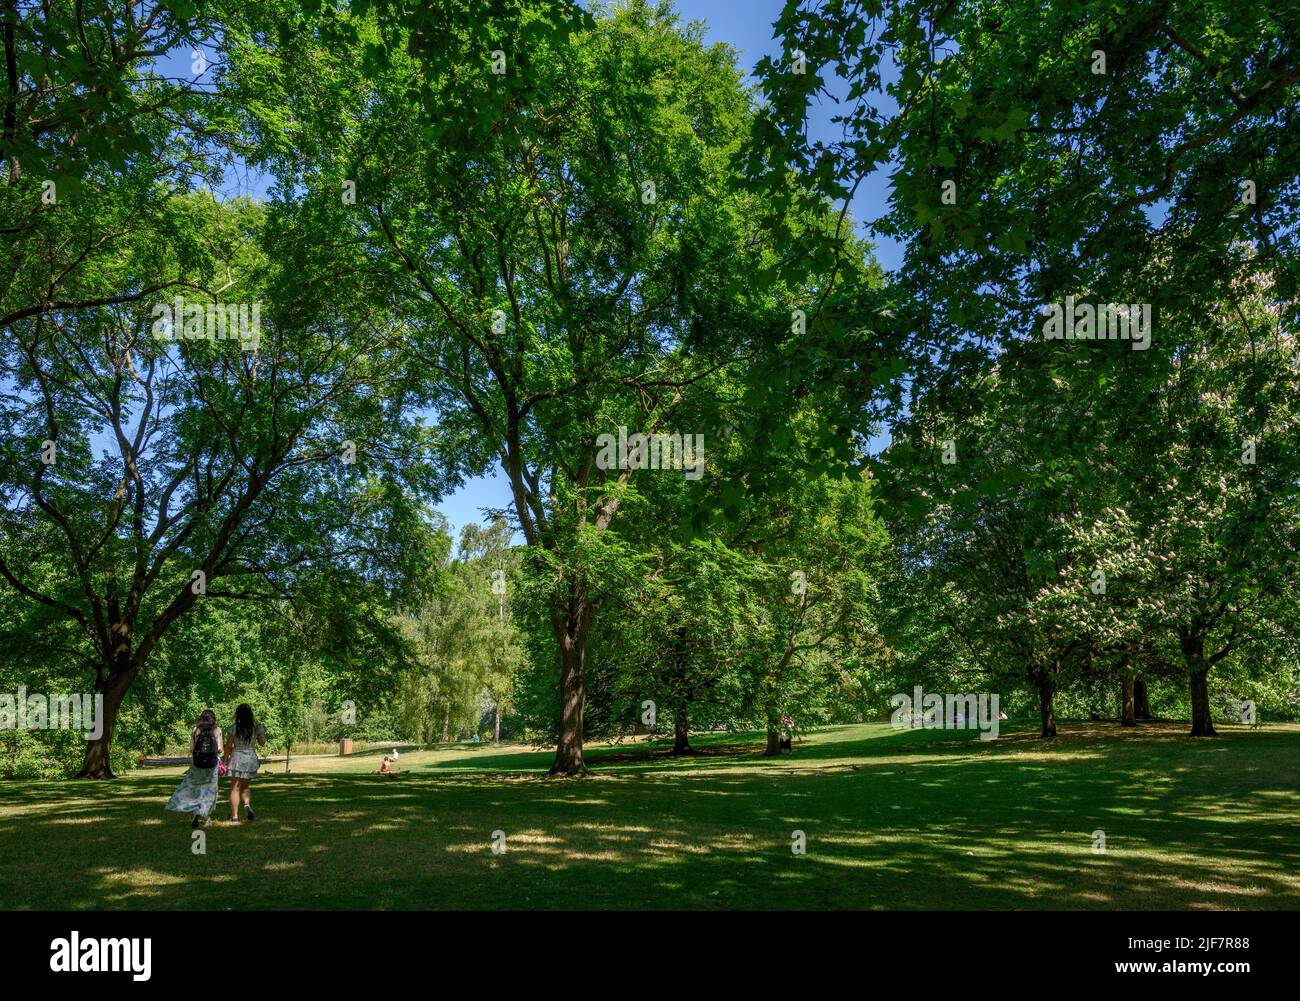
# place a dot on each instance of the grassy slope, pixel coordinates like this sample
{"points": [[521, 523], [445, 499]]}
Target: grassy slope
{"points": [[929, 820]]}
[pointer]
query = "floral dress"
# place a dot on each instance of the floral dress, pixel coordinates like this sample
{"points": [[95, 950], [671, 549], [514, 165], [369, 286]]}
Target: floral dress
{"points": [[198, 790], [243, 756]]}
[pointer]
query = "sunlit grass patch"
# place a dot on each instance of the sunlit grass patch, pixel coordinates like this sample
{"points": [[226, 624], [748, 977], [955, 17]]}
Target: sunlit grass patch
{"points": [[924, 820]]}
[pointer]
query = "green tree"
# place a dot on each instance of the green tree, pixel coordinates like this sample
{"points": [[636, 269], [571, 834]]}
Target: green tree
{"points": [[222, 471], [462, 640], [580, 272], [1008, 130]]}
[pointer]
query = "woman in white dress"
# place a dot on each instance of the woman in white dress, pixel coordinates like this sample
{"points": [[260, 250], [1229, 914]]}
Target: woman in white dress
{"points": [[198, 791], [241, 758]]}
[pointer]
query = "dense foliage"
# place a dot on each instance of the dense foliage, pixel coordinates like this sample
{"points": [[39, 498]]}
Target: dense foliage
{"points": [[757, 483]]}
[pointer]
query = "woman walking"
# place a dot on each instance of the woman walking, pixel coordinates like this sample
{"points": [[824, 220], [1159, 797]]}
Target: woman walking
{"points": [[198, 791], [241, 757]]}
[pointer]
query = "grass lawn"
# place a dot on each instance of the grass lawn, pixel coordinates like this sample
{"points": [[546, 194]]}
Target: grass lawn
{"points": [[929, 819]]}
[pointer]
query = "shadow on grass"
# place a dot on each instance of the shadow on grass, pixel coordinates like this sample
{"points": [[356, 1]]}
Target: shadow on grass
{"points": [[929, 819]]}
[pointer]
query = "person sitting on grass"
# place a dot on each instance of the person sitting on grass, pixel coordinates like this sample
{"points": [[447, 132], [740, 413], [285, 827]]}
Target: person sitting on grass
{"points": [[387, 768], [787, 734]]}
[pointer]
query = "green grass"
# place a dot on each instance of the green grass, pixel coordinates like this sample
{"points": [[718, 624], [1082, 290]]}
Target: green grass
{"points": [[930, 819]]}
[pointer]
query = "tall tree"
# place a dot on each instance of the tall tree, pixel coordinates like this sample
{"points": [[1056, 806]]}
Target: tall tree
{"points": [[1008, 130], [461, 639], [156, 469], [572, 261]]}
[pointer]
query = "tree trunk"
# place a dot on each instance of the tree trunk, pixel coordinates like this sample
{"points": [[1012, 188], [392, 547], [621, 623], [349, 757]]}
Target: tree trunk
{"points": [[446, 725], [1046, 691], [568, 752], [773, 737], [1128, 715], [96, 764], [1141, 708], [496, 724], [1198, 671], [681, 734], [1202, 721]]}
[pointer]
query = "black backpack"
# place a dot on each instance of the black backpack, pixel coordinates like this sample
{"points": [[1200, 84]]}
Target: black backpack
{"points": [[205, 750]]}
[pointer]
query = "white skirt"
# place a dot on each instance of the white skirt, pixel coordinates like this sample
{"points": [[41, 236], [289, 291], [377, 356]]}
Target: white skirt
{"points": [[197, 792]]}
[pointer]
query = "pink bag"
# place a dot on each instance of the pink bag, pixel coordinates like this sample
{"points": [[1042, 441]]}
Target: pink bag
{"points": [[221, 767]]}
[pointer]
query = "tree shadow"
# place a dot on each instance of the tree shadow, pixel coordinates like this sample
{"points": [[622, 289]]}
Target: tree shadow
{"points": [[929, 820]]}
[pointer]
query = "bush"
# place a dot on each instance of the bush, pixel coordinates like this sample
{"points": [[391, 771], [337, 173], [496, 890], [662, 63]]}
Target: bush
{"points": [[27, 754]]}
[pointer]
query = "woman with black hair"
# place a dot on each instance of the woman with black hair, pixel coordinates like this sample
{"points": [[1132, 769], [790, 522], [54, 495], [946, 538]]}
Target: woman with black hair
{"points": [[241, 758], [198, 792]]}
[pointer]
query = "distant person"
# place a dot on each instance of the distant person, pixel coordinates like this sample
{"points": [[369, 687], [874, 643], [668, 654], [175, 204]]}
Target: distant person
{"points": [[242, 758], [198, 790], [387, 767]]}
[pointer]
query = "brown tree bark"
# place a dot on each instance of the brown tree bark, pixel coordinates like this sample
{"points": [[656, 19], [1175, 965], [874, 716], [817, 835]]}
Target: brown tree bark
{"points": [[1198, 671], [97, 764], [113, 684], [681, 734], [1046, 707], [570, 623], [1202, 720], [446, 725], [1128, 714], [773, 736], [1141, 707], [568, 751]]}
